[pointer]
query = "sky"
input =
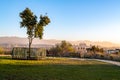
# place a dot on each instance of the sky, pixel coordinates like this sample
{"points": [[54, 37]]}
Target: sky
{"points": [[94, 20]]}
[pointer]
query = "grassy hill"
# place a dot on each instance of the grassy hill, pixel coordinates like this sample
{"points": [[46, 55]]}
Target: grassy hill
{"points": [[57, 69]]}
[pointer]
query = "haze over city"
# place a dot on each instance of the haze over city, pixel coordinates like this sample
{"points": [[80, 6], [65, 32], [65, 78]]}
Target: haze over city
{"points": [[95, 20]]}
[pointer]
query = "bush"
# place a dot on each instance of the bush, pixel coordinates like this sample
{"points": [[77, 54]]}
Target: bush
{"points": [[74, 55], [111, 57], [1, 50]]}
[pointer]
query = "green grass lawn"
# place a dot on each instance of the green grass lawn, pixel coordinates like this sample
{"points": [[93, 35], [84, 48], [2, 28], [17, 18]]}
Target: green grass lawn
{"points": [[57, 69]]}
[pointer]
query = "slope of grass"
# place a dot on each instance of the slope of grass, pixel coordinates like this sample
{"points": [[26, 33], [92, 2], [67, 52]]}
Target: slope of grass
{"points": [[57, 69]]}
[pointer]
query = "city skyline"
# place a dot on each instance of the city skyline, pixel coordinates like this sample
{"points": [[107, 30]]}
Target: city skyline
{"points": [[95, 20]]}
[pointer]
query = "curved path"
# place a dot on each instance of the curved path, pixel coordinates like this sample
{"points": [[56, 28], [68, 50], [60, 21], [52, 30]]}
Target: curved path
{"points": [[5, 55], [111, 62], [107, 61]]}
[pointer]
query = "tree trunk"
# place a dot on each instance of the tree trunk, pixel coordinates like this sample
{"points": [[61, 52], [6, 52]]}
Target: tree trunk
{"points": [[30, 42]]}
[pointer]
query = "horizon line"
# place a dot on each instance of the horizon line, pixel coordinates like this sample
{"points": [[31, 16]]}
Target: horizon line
{"points": [[64, 39]]}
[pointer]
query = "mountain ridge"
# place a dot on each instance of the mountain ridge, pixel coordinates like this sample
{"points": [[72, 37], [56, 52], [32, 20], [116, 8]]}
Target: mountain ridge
{"points": [[21, 40]]}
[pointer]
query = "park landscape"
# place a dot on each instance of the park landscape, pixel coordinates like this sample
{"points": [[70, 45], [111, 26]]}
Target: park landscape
{"points": [[61, 61]]}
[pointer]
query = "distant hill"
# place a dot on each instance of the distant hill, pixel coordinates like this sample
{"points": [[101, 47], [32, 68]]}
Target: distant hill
{"points": [[18, 40], [98, 43], [24, 41]]}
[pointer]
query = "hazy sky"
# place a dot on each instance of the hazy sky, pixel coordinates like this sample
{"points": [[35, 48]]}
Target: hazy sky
{"points": [[96, 20]]}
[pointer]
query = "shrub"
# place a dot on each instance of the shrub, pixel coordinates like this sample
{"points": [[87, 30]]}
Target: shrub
{"points": [[1, 50], [111, 57]]}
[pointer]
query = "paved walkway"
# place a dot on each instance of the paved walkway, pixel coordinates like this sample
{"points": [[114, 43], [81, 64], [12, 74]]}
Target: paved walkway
{"points": [[5, 55], [107, 61]]}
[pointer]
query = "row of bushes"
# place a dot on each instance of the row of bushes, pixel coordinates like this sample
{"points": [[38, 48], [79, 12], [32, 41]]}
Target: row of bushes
{"points": [[114, 57]]}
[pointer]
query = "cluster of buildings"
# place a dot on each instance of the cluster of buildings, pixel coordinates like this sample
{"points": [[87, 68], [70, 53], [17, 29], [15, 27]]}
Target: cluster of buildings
{"points": [[83, 48]]}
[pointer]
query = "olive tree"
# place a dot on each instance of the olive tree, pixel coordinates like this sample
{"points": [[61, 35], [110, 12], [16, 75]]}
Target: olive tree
{"points": [[34, 28]]}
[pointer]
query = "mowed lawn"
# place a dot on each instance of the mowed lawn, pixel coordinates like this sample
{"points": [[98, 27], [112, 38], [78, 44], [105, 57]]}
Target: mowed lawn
{"points": [[57, 69]]}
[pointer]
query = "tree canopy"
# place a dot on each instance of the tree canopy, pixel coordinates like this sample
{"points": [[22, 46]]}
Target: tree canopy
{"points": [[34, 27]]}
